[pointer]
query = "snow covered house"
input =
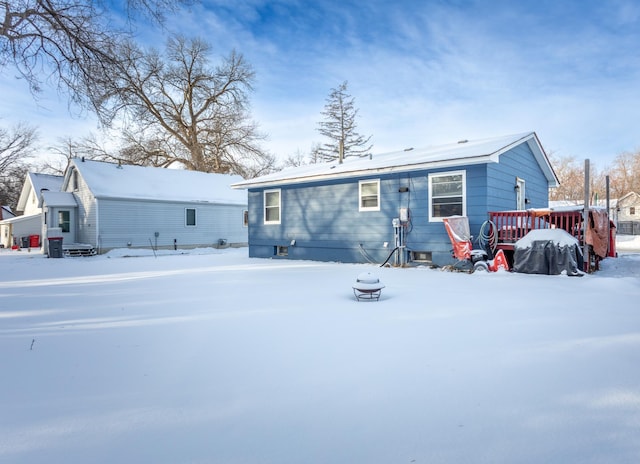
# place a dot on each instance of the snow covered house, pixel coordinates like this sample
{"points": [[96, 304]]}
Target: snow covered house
{"points": [[628, 209], [362, 209], [28, 224], [103, 205], [5, 213]]}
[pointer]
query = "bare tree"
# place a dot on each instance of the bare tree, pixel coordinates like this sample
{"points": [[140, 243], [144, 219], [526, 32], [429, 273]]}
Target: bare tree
{"points": [[70, 41], [300, 159], [339, 126], [175, 108], [17, 146], [625, 174], [570, 173], [571, 176]]}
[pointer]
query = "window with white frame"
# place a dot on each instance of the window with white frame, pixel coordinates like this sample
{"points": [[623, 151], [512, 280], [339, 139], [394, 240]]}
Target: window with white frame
{"points": [[447, 195], [272, 206], [190, 217], [64, 221], [369, 195]]}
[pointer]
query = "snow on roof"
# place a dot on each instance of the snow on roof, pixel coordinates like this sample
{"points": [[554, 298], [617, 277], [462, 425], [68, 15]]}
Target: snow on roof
{"points": [[558, 236], [5, 212], [110, 180], [65, 199], [462, 152], [45, 182], [36, 182]]}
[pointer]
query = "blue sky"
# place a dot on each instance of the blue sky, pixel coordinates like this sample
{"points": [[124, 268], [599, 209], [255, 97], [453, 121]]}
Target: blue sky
{"points": [[421, 72]]}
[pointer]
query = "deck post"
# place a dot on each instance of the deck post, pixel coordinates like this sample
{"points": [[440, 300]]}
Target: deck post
{"points": [[585, 218]]}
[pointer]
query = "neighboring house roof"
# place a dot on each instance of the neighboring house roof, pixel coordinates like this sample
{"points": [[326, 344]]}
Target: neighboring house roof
{"points": [[37, 183], [456, 154], [6, 213], [114, 181], [601, 203], [23, 218], [59, 199], [629, 197]]}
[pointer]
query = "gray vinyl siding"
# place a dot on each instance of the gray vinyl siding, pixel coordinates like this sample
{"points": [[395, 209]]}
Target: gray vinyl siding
{"points": [[86, 219], [322, 221], [134, 223]]}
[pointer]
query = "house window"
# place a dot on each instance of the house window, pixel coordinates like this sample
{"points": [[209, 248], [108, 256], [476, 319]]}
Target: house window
{"points": [[632, 210], [190, 217], [64, 221], [272, 206], [245, 218], [369, 195], [447, 193], [74, 180]]}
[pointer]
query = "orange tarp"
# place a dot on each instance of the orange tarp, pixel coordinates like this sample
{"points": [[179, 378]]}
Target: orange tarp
{"points": [[597, 234]]}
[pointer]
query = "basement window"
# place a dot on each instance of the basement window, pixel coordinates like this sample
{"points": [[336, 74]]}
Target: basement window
{"points": [[281, 250], [421, 256]]}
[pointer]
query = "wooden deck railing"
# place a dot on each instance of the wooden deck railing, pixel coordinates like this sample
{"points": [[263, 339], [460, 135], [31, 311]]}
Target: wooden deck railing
{"points": [[511, 226]]}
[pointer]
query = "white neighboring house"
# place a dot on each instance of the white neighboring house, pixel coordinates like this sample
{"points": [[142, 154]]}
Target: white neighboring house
{"points": [[629, 214], [102, 206], [27, 225], [629, 207]]}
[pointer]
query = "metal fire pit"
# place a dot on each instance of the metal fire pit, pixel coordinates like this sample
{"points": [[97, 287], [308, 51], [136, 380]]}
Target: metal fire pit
{"points": [[367, 287]]}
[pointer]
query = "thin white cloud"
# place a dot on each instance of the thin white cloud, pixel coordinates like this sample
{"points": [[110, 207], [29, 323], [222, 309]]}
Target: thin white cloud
{"points": [[433, 72]]}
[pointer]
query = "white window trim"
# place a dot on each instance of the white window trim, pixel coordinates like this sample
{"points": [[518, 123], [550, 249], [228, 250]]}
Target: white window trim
{"points": [[264, 206], [370, 208], [195, 217], [464, 192]]}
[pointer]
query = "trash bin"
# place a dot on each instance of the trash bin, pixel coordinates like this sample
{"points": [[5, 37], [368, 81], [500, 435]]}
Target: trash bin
{"points": [[24, 242], [55, 247], [34, 241]]}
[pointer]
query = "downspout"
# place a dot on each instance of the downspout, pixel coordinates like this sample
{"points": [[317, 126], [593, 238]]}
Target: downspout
{"points": [[97, 239]]}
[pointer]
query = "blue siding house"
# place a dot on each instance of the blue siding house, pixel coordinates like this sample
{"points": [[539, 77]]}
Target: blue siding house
{"points": [[361, 209]]}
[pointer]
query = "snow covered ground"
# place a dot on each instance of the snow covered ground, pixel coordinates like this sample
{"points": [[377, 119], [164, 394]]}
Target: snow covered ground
{"points": [[212, 357]]}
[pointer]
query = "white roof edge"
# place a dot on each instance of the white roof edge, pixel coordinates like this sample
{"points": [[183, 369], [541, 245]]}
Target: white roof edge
{"points": [[222, 202], [530, 138], [369, 172]]}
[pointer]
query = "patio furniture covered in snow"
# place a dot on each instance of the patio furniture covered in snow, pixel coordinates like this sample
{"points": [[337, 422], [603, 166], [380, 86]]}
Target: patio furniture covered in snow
{"points": [[548, 251]]}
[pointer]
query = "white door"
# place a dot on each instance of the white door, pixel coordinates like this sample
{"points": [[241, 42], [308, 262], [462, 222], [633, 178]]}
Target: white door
{"points": [[64, 218], [520, 194]]}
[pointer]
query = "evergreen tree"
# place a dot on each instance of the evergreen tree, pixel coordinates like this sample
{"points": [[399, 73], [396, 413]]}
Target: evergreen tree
{"points": [[339, 126]]}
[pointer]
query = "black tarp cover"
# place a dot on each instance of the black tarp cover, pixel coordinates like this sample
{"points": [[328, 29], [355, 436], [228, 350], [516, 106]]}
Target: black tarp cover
{"points": [[548, 251]]}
